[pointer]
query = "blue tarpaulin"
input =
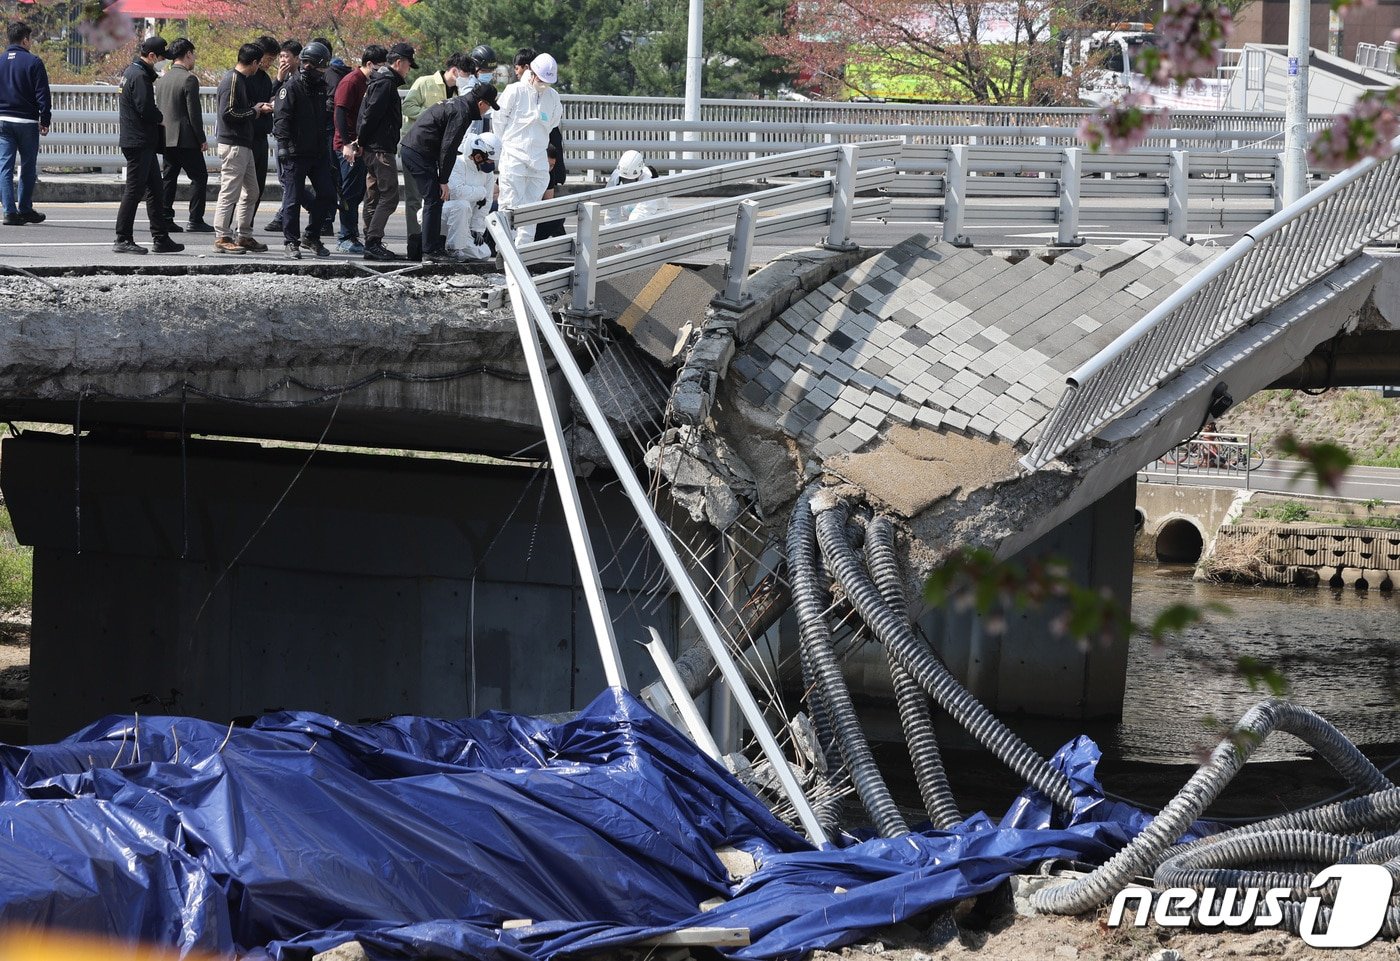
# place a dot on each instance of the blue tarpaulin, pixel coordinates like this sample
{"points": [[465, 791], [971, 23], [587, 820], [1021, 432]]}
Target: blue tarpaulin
{"points": [[419, 837]]}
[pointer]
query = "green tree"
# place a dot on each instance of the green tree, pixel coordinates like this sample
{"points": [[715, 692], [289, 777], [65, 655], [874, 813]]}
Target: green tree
{"points": [[636, 47]]}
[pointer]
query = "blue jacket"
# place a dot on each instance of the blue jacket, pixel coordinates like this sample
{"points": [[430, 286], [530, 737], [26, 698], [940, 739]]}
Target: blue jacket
{"points": [[24, 86]]}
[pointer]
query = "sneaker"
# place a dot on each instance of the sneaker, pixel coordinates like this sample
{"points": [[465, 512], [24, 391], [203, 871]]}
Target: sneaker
{"points": [[164, 245], [127, 247], [252, 246], [199, 227], [14, 220], [32, 216], [274, 226], [226, 246], [377, 251], [315, 246], [173, 228], [293, 250], [349, 246], [439, 257]]}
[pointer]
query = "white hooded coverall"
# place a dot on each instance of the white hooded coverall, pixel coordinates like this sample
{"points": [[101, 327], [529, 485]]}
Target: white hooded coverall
{"points": [[528, 110], [464, 213], [640, 210]]}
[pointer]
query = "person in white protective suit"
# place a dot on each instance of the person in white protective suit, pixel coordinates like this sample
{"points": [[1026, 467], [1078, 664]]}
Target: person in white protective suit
{"points": [[470, 188], [632, 168], [526, 113]]}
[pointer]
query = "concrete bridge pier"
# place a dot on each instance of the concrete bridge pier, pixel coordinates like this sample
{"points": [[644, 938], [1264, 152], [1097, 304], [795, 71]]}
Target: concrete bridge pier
{"points": [[379, 585]]}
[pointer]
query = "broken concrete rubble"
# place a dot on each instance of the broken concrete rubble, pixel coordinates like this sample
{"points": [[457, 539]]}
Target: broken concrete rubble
{"points": [[705, 475]]}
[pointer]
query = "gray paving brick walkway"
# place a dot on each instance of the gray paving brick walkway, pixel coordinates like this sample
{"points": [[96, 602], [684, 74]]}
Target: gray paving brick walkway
{"points": [[940, 337]]}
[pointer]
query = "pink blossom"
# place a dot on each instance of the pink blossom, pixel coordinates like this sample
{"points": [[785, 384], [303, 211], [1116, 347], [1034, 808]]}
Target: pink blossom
{"points": [[1123, 125], [106, 31], [1365, 131], [1190, 32]]}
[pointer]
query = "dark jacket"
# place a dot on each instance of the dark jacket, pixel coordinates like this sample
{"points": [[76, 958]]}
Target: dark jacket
{"points": [[438, 132], [260, 91], [24, 86], [381, 112], [177, 96], [137, 114], [299, 117], [336, 72], [236, 116]]}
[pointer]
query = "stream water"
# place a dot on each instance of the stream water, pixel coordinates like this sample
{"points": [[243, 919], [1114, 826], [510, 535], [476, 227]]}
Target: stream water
{"points": [[1338, 650]]}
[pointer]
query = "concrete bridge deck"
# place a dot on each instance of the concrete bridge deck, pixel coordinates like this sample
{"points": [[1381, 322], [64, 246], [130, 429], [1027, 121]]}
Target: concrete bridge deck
{"points": [[917, 375]]}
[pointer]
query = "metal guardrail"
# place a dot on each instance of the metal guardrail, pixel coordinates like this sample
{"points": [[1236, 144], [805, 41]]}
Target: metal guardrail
{"points": [[1213, 454], [1271, 263], [829, 200], [1374, 57], [598, 129]]}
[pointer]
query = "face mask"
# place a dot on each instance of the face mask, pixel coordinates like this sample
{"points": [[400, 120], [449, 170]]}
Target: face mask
{"points": [[464, 84], [485, 75]]}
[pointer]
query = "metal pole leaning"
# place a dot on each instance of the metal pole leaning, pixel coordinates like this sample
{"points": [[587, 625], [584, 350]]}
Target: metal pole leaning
{"points": [[528, 299], [1068, 235], [843, 199], [563, 471], [1178, 196], [586, 258], [736, 272]]}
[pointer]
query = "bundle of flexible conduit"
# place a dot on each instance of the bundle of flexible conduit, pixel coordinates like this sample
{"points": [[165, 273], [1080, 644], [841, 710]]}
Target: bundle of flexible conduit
{"points": [[1282, 852], [873, 586]]}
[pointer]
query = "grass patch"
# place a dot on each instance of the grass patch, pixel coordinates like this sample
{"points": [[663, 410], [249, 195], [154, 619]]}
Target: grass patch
{"points": [[16, 568], [1287, 512]]}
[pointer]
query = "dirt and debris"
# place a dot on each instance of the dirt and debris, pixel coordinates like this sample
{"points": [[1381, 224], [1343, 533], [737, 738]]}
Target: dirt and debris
{"points": [[911, 469], [986, 928]]}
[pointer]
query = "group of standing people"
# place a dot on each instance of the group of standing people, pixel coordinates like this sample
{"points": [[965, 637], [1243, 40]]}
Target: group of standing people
{"points": [[341, 135]]}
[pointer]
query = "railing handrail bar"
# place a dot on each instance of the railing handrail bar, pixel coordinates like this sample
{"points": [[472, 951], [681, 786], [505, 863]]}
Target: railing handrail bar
{"points": [[1220, 264], [675, 183]]}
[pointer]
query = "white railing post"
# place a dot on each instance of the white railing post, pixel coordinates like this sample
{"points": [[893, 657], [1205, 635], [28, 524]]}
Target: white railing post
{"points": [[1068, 235], [586, 259], [843, 199], [955, 196], [1178, 195], [736, 272], [592, 175]]}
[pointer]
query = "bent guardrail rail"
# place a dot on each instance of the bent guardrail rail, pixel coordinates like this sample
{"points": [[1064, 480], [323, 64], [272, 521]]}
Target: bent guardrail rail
{"points": [[830, 200], [1271, 263]]}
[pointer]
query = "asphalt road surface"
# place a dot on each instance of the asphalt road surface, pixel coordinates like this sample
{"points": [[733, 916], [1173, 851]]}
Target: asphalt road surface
{"points": [[81, 234], [1360, 483]]}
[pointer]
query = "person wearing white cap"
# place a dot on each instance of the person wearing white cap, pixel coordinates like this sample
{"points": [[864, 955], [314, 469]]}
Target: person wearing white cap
{"points": [[632, 169], [470, 188], [528, 111]]}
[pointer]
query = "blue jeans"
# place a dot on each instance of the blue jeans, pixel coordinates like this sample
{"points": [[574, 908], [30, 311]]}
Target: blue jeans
{"points": [[18, 141], [352, 194]]}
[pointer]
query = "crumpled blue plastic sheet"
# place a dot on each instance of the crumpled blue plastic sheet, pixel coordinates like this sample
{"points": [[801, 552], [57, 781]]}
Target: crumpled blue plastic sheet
{"points": [[419, 837]]}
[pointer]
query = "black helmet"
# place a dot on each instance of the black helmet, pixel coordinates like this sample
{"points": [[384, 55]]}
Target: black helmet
{"points": [[484, 56], [316, 54]]}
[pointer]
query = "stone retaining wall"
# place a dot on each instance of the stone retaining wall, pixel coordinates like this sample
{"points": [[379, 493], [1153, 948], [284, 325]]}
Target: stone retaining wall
{"points": [[1363, 557]]}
